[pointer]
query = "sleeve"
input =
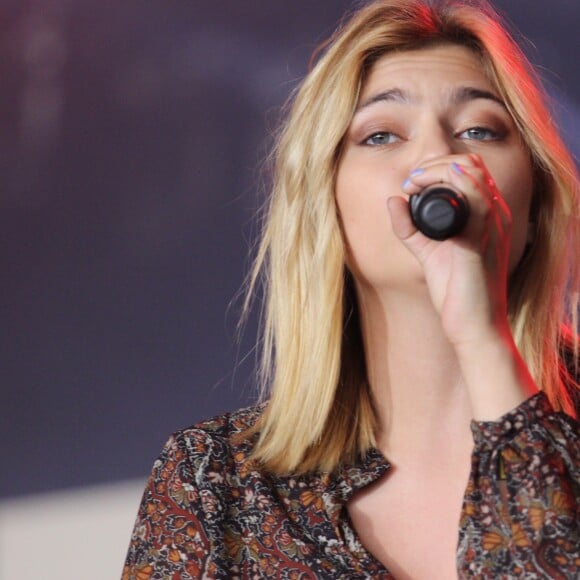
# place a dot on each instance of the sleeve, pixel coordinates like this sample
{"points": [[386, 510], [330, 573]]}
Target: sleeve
{"points": [[177, 525], [520, 515]]}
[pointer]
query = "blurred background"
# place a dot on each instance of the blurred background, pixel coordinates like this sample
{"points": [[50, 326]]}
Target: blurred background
{"points": [[132, 136]]}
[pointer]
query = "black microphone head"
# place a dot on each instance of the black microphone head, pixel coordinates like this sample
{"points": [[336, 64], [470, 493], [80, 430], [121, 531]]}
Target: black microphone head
{"points": [[439, 212]]}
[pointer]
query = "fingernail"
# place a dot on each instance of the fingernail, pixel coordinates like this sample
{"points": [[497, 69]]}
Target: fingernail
{"points": [[406, 183], [416, 172], [457, 168]]}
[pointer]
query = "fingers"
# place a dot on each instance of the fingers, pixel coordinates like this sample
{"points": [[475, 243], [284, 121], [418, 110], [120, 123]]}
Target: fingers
{"points": [[467, 174]]}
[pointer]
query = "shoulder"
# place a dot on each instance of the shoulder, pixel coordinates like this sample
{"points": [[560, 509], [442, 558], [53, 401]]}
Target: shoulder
{"points": [[227, 425], [193, 485], [212, 451], [226, 430]]}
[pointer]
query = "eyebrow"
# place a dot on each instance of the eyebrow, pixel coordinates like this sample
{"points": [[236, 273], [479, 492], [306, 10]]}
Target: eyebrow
{"points": [[458, 96]]}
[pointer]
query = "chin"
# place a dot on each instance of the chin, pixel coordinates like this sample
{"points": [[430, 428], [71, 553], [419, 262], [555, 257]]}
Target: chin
{"points": [[408, 278]]}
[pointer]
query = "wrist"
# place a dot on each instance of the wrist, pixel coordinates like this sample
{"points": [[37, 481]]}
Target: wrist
{"points": [[495, 374]]}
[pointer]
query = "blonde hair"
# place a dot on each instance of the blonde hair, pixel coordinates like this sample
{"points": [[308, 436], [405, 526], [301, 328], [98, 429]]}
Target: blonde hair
{"points": [[319, 410]]}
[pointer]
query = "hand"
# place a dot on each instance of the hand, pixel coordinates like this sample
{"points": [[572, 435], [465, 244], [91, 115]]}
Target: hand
{"points": [[467, 274], [467, 278]]}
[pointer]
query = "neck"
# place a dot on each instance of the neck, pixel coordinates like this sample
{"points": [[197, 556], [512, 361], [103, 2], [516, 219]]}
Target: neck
{"points": [[414, 375]]}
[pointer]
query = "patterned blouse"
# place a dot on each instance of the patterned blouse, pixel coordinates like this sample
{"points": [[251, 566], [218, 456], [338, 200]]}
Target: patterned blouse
{"points": [[208, 512]]}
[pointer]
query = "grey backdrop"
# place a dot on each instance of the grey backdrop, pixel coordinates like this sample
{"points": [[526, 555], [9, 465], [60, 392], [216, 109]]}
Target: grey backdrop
{"points": [[131, 135]]}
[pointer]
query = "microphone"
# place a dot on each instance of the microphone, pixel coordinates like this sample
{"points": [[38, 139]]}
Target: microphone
{"points": [[439, 212]]}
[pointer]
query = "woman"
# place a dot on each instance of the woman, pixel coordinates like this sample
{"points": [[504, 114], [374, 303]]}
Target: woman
{"points": [[418, 418]]}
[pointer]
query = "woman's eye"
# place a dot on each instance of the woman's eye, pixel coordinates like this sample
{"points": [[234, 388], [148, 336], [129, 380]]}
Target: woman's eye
{"points": [[480, 134], [381, 138]]}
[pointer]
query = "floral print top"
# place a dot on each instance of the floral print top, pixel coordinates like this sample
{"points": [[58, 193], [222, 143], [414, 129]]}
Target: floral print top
{"points": [[208, 512]]}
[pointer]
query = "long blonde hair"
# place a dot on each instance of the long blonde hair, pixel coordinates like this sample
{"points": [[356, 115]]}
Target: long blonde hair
{"points": [[319, 411]]}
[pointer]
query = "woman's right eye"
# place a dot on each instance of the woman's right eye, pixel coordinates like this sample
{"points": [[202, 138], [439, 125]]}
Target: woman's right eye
{"points": [[381, 138]]}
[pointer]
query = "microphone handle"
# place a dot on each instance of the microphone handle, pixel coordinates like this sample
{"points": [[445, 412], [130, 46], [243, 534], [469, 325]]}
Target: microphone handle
{"points": [[439, 212]]}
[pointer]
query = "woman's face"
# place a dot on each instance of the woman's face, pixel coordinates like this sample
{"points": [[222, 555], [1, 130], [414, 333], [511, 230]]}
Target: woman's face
{"points": [[414, 107]]}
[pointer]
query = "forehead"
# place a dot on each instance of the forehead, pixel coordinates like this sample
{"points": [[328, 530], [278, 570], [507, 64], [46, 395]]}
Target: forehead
{"points": [[433, 69]]}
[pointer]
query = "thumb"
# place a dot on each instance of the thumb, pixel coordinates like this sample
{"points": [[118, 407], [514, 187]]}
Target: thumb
{"points": [[404, 228], [401, 218]]}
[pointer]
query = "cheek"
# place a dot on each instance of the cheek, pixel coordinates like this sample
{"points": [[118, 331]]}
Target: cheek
{"points": [[518, 194], [373, 252], [363, 222]]}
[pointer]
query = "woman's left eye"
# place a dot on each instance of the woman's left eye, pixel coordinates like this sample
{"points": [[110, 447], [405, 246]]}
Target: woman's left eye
{"points": [[480, 134]]}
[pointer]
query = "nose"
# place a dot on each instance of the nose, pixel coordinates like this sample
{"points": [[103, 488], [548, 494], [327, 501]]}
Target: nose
{"points": [[433, 140]]}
